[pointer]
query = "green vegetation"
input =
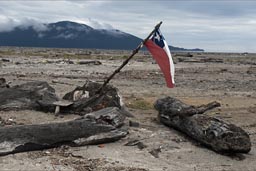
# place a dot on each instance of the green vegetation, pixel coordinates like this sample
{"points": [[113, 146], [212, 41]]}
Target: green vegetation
{"points": [[7, 52], [140, 104]]}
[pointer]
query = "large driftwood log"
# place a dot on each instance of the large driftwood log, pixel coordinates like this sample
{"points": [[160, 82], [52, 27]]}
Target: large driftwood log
{"points": [[98, 127], [32, 95], [212, 132]]}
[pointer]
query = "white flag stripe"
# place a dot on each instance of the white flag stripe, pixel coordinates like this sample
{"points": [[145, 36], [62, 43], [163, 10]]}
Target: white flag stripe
{"points": [[172, 69]]}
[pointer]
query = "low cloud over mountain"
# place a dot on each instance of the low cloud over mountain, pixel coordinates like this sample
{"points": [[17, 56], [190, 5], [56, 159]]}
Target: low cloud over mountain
{"points": [[66, 34]]}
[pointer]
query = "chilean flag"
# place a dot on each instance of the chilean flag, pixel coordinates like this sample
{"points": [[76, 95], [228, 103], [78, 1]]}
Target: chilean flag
{"points": [[159, 49]]}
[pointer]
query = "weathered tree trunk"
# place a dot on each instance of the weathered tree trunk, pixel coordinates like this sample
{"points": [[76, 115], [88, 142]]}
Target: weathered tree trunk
{"points": [[98, 127], [212, 132], [36, 95]]}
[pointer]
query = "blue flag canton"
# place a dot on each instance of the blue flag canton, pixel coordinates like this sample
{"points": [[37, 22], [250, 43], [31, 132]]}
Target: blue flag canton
{"points": [[158, 38]]}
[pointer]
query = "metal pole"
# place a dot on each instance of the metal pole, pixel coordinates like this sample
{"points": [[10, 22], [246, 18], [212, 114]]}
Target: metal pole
{"points": [[99, 91]]}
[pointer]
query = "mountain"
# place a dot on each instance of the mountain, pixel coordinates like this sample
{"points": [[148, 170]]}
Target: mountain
{"points": [[66, 34], [178, 49]]}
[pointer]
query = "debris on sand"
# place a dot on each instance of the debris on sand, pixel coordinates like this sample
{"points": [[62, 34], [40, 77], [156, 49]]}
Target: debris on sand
{"points": [[137, 143], [85, 99], [3, 83], [200, 60], [7, 122], [102, 126], [39, 95], [183, 55], [251, 70], [68, 61], [134, 124], [212, 132], [89, 63], [5, 60], [155, 152], [132, 143]]}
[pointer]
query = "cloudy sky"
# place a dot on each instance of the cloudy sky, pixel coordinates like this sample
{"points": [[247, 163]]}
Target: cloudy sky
{"points": [[220, 25]]}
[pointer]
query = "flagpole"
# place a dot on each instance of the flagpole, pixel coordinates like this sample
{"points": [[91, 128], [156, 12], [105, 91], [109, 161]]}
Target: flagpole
{"points": [[135, 51]]}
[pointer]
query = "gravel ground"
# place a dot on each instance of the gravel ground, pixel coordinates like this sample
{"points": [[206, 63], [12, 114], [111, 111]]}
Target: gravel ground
{"points": [[232, 82]]}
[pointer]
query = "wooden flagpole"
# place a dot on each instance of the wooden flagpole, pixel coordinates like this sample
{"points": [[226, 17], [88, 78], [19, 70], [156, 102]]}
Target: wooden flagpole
{"points": [[100, 90]]}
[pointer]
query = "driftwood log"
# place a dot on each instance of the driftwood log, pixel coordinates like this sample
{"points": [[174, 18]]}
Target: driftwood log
{"points": [[212, 132], [98, 127], [41, 96], [32, 95]]}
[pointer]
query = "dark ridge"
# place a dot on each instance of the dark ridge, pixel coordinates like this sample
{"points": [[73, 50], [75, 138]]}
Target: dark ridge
{"points": [[67, 34]]}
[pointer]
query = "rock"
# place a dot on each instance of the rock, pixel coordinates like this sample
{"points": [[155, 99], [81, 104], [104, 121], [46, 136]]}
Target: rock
{"points": [[134, 124], [155, 152], [141, 145]]}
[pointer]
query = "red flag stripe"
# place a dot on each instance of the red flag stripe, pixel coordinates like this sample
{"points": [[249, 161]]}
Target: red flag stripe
{"points": [[163, 61]]}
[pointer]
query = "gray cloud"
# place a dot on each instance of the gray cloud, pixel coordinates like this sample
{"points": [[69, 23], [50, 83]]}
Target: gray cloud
{"points": [[212, 25], [98, 25], [223, 8], [37, 26], [8, 24]]}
